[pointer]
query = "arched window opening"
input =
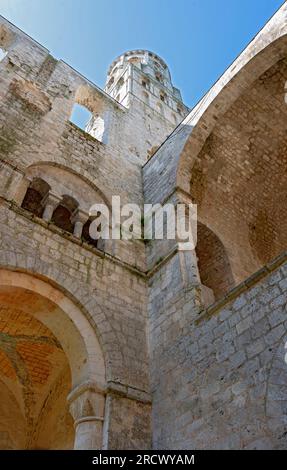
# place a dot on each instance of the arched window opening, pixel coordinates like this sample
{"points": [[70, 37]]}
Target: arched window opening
{"points": [[89, 114], [110, 82], [159, 77], [146, 83], [81, 116], [213, 264], [35, 194], [163, 97], [86, 234], [145, 97], [44, 355], [63, 213], [120, 82]]}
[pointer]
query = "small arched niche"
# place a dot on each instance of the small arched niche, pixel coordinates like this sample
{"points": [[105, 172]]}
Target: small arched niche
{"points": [[213, 265], [163, 97]]}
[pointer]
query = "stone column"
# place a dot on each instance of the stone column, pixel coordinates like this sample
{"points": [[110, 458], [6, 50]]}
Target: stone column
{"points": [[21, 188], [50, 203], [79, 219], [87, 406], [130, 79]]}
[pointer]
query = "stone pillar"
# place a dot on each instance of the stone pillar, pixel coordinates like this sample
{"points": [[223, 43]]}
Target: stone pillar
{"points": [[87, 406], [130, 79], [21, 189], [174, 303], [79, 219], [50, 203]]}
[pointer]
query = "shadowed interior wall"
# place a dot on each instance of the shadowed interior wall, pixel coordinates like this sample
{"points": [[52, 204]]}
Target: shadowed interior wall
{"points": [[213, 264]]}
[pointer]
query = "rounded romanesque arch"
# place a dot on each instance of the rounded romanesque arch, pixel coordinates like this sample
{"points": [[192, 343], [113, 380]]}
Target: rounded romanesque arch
{"points": [[36, 297], [63, 179], [237, 179], [79, 294], [229, 154], [174, 160], [48, 352], [266, 50]]}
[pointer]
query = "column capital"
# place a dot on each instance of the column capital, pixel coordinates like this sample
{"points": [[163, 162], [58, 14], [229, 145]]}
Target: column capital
{"points": [[50, 202], [51, 199], [80, 216], [87, 402]]}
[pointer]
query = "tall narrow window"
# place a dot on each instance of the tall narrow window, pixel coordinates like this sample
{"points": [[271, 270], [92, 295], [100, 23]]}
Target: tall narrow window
{"points": [[163, 97]]}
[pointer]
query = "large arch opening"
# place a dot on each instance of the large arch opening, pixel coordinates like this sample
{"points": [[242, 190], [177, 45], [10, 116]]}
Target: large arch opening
{"points": [[239, 177], [35, 380], [47, 348]]}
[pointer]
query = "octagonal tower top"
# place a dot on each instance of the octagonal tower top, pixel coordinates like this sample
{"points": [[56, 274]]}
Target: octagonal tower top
{"points": [[144, 75]]}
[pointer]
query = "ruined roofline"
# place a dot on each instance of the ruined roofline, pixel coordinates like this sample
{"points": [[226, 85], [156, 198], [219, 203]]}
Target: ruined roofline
{"points": [[5, 20], [89, 82]]}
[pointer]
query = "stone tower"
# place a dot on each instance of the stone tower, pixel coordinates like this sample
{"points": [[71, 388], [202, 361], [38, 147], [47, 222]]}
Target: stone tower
{"points": [[112, 344], [145, 76], [140, 81]]}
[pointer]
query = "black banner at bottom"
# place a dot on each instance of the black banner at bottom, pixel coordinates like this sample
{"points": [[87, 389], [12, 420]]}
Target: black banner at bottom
{"points": [[128, 459]]}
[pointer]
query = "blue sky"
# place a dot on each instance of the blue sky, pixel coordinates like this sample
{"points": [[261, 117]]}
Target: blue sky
{"points": [[197, 38]]}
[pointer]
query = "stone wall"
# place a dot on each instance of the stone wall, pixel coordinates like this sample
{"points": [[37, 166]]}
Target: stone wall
{"points": [[37, 138], [219, 376], [114, 293], [211, 372]]}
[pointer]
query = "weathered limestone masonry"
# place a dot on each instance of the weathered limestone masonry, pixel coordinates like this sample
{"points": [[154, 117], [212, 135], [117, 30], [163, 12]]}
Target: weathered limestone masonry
{"points": [[51, 174], [122, 344], [222, 379], [218, 372]]}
